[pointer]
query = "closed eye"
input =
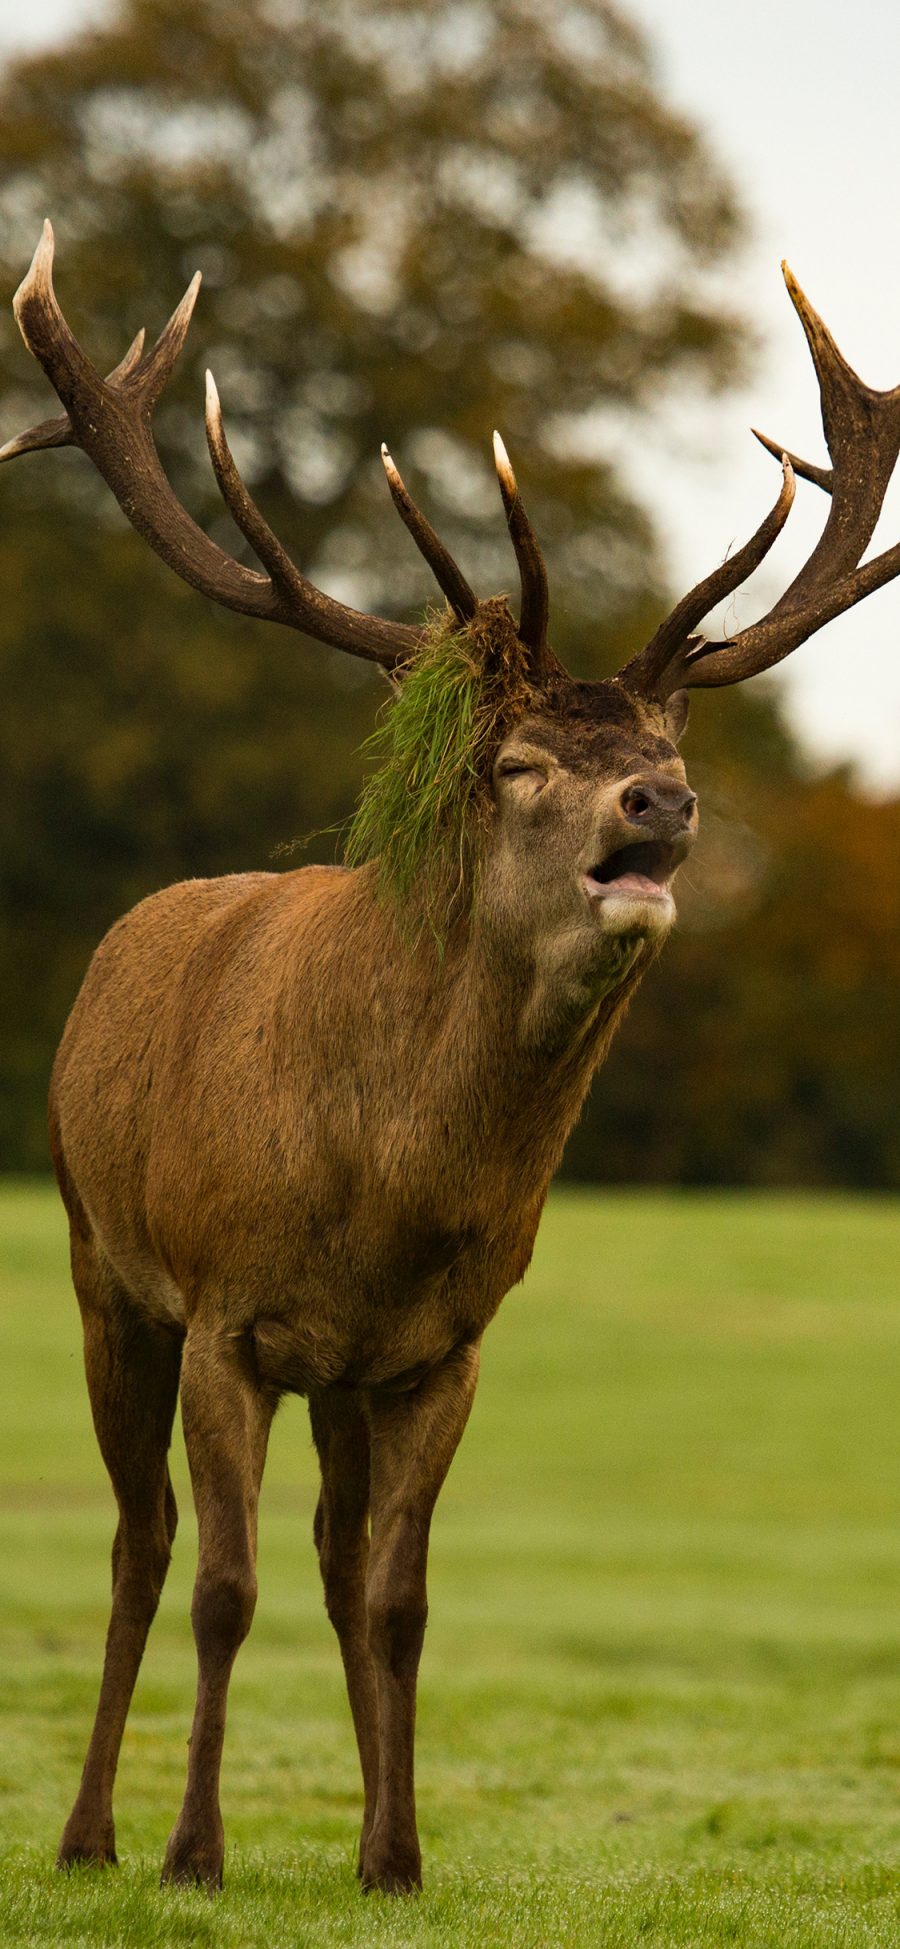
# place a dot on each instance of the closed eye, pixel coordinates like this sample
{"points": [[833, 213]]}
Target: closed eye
{"points": [[532, 775]]}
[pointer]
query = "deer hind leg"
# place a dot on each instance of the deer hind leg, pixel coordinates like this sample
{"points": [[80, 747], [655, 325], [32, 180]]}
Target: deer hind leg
{"points": [[132, 1374], [227, 1417], [341, 1531], [414, 1438]]}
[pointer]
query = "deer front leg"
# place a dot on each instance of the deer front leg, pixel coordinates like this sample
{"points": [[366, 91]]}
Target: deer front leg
{"points": [[132, 1373], [226, 1418], [413, 1440]]}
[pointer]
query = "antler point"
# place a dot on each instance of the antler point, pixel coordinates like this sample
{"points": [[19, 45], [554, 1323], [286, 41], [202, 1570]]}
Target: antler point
{"points": [[38, 278], [393, 473], [503, 465], [44, 253], [771, 446], [213, 404]]}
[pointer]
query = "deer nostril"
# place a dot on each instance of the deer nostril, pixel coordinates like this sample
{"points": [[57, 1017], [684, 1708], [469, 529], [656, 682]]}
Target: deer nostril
{"points": [[665, 799]]}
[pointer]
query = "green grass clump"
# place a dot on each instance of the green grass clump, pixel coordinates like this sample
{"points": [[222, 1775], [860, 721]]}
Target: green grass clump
{"points": [[660, 1694], [421, 813]]}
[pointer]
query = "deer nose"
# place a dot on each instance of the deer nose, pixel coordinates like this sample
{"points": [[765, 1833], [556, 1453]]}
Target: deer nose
{"points": [[644, 799]]}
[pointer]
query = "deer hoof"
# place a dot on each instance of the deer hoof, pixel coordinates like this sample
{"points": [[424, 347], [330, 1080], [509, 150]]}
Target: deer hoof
{"points": [[192, 1863], [79, 1845], [391, 1871]]}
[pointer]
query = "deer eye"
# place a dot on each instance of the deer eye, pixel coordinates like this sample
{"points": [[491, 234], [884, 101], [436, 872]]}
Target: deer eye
{"points": [[522, 768]]}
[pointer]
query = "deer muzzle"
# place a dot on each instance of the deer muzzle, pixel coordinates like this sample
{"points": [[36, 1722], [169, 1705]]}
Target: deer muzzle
{"points": [[651, 832]]}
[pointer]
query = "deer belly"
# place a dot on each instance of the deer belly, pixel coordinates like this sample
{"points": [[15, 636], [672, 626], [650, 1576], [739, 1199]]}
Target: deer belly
{"points": [[296, 1358], [385, 1331]]}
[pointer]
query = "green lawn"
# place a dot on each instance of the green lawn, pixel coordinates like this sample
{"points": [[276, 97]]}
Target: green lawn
{"points": [[660, 1700]]}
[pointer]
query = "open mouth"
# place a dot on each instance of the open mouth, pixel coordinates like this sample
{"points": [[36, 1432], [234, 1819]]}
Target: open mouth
{"points": [[642, 870]]}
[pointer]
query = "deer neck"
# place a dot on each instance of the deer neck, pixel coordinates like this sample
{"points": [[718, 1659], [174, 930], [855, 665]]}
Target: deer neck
{"points": [[496, 1041], [540, 1027]]}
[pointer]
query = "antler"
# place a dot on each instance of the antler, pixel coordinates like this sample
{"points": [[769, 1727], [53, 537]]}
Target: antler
{"points": [[448, 577], [111, 419], [534, 609], [862, 429]]}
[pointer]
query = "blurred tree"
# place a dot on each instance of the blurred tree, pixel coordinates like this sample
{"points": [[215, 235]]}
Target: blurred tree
{"points": [[414, 222]]}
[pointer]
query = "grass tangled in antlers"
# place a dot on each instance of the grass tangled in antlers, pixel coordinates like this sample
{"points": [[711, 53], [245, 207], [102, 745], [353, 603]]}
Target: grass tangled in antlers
{"points": [[423, 811]]}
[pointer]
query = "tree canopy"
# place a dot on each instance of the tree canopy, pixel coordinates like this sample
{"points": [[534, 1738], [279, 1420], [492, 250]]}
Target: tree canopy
{"points": [[389, 206]]}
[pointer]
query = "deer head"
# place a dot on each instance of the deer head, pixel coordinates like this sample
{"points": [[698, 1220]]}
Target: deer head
{"points": [[568, 797]]}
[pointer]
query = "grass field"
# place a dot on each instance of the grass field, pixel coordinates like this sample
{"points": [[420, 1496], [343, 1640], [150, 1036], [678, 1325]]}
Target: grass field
{"points": [[661, 1689]]}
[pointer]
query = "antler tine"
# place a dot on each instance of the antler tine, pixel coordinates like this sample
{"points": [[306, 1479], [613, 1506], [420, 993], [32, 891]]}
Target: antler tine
{"points": [[111, 420], [448, 576], [240, 505], [646, 669], [155, 370], [535, 606], [820, 476], [287, 579], [862, 429], [706, 666], [131, 361], [45, 330], [58, 432], [47, 433]]}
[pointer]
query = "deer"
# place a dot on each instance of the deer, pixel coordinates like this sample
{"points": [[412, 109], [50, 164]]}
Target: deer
{"points": [[304, 1136]]}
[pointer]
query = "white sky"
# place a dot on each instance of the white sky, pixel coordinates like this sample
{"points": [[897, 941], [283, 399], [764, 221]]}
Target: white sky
{"points": [[800, 100]]}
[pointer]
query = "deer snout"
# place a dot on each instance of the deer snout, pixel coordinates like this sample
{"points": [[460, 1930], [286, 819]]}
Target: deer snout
{"points": [[649, 823], [659, 805]]}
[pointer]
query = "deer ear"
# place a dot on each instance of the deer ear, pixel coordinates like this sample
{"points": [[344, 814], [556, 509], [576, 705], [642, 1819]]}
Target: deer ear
{"points": [[677, 709]]}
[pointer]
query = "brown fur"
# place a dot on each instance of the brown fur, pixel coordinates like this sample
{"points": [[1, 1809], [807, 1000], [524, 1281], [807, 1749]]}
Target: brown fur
{"points": [[300, 1155]]}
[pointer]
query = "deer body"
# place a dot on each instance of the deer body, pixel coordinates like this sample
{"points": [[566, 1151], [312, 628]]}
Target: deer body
{"points": [[246, 1182], [253, 1153], [249, 1149], [305, 1149]]}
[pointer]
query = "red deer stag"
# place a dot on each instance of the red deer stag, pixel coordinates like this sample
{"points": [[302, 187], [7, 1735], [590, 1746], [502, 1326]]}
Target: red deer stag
{"points": [[303, 1146]]}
